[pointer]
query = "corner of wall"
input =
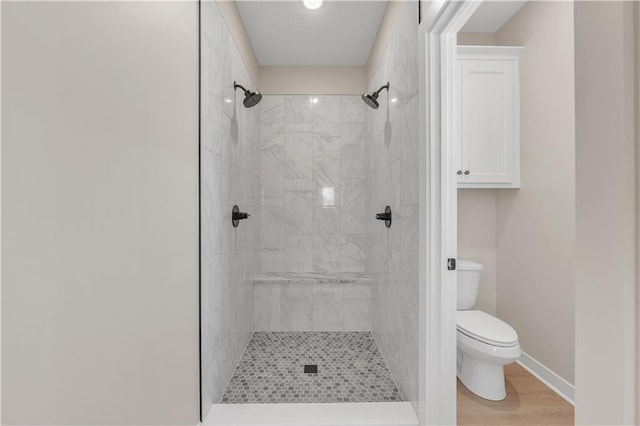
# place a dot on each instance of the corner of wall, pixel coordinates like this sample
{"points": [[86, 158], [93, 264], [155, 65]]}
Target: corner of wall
{"points": [[389, 21], [234, 22]]}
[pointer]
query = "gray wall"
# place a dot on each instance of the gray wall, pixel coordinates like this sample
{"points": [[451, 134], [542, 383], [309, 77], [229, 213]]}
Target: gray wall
{"points": [[525, 238], [605, 219], [229, 166], [536, 271], [392, 178], [312, 184], [100, 208]]}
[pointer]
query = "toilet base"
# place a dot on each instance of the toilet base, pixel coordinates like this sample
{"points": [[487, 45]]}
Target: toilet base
{"points": [[482, 378]]}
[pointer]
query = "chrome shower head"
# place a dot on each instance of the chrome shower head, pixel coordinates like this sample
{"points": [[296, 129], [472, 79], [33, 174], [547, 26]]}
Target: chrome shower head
{"points": [[251, 99], [371, 99]]}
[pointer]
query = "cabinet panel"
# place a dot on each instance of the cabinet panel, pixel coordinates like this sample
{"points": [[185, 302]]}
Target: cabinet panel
{"points": [[487, 115], [488, 130]]}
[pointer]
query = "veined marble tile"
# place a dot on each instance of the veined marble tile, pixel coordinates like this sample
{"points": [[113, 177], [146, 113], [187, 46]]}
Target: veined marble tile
{"points": [[211, 24], [391, 178], [272, 234], [389, 63], [352, 219], [298, 147], [407, 54], [267, 308], [211, 91], [326, 178], [353, 150], [410, 182], [351, 109], [271, 115], [328, 307], [272, 177], [326, 123], [297, 315], [211, 206], [357, 315], [233, 140], [326, 267], [298, 253], [352, 256], [326, 234], [409, 244], [230, 55], [296, 291], [298, 206], [271, 266], [357, 291], [297, 109]]}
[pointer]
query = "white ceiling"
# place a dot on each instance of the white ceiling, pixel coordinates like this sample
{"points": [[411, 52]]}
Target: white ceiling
{"points": [[285, 33], [492, 15]]}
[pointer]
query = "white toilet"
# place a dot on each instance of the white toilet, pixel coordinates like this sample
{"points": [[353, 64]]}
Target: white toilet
{"points": [[485, 343]]}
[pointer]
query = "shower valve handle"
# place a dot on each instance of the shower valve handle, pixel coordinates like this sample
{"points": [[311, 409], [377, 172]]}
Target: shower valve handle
{"points": [[237, 216], [386, 216], [240, 215]]}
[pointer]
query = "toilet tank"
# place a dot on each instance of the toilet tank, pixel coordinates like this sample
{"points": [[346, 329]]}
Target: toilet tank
{"points": [[468, 283]]}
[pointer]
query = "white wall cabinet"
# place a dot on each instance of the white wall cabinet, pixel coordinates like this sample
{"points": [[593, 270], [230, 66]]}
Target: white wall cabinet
{"points": [[488, 110]]}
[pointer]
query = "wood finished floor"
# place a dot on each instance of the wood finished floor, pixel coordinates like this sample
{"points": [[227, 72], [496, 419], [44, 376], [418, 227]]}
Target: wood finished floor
{"points": [[528, 402]]}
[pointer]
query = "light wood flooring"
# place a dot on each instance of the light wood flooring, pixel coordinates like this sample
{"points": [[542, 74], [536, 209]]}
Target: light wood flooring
{"points": [[528, 402]]}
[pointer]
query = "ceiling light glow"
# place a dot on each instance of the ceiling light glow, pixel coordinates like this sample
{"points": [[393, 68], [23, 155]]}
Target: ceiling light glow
{"points": [[312, 4]]}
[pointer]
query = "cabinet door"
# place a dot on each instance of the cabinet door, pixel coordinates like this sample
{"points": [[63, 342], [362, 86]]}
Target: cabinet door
{"points": [[489, 131]]}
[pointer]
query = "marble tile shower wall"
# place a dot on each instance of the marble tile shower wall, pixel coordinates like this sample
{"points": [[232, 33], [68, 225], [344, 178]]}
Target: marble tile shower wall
{"points": [[393, 179], [229, 164], [313, 179]]}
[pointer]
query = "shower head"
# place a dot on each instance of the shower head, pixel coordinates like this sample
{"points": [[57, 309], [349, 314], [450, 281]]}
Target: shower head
{"points": [[371, 99], [251, 99]]}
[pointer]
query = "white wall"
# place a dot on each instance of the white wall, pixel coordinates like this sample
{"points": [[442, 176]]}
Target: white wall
{"points": [[605, 191], [230, 174], [100, 207], [536, 224]]}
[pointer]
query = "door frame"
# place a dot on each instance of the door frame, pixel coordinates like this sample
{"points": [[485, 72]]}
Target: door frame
{"points": [[441, 22]]}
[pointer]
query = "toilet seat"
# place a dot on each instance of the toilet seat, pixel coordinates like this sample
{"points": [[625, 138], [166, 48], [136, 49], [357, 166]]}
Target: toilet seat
{"points": [[486, 328]]}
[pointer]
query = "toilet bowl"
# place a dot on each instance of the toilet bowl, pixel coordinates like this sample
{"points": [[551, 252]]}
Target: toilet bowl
{"points": [[485, 344]]}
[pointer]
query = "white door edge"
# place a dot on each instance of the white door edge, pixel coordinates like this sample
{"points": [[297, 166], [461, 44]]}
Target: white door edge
{"points": [[438, 208]]}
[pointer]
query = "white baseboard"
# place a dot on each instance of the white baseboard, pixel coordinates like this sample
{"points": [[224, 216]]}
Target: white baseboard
{"points": [[556, 383]]}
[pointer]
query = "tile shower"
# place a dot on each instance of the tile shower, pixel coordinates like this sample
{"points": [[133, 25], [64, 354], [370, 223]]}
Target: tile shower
{"points": [[311, 278]]}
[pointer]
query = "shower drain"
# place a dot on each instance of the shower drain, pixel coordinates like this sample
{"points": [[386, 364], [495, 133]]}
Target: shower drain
{"points": [[311, 368]]}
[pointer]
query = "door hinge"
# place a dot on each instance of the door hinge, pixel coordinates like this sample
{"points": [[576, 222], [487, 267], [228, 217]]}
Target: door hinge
{"points": [[451, 264]]}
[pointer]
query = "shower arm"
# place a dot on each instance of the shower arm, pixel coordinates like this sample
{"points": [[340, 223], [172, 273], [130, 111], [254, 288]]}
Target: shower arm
{"points": [[236, 85], [386, 86]]}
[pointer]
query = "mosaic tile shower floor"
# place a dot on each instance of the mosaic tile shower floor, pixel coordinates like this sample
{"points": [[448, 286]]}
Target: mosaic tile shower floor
{"points": [[350, 369]]}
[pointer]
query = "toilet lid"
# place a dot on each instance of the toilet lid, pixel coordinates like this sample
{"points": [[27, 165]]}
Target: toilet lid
{"points": [[486, 328]]}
